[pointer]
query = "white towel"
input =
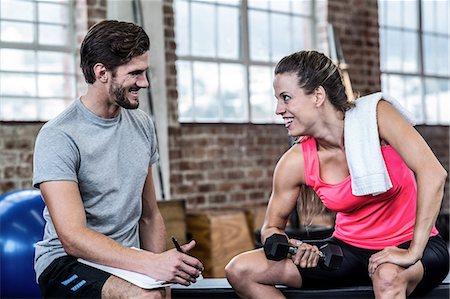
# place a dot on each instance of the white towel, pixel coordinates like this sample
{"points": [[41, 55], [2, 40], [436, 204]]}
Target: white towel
{"points": [[362, 145]]}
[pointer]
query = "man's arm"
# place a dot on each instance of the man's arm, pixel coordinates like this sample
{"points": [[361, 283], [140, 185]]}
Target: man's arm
{"points": [[67, 212], [152, 232]]}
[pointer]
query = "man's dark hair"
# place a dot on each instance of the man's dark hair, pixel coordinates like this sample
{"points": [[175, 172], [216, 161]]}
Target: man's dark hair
{"points": [[112, 43]]}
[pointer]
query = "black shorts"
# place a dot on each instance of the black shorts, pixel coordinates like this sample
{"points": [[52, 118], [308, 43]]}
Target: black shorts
{"points": [[354, 268], [65, 277]]}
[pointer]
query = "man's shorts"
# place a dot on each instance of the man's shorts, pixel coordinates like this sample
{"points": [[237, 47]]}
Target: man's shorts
{"points": [[65, 277], [354, 268]]}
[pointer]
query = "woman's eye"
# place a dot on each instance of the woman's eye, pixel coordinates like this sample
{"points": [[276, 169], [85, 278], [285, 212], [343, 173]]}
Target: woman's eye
{"points": [[286, 98]]}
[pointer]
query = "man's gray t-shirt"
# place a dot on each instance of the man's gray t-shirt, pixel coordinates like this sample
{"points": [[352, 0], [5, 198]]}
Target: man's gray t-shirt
{"points": [[108, 158]]}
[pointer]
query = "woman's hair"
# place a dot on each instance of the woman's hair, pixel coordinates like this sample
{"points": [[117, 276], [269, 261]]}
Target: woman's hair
{"points": [[314, 69], [111, 43]]}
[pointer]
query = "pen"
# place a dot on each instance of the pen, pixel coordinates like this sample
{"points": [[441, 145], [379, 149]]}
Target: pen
{"points": [[177, 246]]}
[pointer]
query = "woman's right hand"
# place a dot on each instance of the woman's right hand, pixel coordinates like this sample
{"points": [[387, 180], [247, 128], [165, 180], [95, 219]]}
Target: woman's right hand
{"points": [[307, 255]]}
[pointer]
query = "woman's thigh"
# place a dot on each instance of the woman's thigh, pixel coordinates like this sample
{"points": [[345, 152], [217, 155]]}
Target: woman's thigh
{"points": [[254, 265]]}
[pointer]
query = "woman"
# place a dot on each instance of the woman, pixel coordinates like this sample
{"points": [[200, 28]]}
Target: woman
{"points": [[388, 239]]}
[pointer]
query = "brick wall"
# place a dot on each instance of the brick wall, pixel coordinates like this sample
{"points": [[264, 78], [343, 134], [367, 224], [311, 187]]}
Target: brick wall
{"points": [[16, 155], [224, 166]]}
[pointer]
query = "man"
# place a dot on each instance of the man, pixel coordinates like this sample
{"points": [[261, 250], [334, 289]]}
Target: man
{"points": [[93, 165]]}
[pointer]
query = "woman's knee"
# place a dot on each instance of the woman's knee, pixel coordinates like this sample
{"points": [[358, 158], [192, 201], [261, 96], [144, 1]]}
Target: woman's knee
{"points": [[387, 277], [236, 269]]}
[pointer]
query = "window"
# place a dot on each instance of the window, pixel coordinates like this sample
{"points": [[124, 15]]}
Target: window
{"points": [[227, 50], [414, 50], [37, 59]]}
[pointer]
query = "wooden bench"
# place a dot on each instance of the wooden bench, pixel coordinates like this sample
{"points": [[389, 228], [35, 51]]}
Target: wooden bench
{"points": [[217, 288]]}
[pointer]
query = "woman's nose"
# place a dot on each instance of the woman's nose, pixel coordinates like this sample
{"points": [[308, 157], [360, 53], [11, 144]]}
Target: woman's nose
{"points": [[280, 108]]}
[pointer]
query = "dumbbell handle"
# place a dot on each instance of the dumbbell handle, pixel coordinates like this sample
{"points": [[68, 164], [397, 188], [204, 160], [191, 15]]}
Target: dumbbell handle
{"points": [[293, 251]]}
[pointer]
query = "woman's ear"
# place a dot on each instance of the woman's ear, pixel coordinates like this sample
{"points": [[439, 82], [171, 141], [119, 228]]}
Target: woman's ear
{"points": [[101, 74], [319, 96]]}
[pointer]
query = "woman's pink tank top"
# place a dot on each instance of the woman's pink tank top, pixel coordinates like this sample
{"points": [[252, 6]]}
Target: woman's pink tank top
{"points": [[371, 222]]}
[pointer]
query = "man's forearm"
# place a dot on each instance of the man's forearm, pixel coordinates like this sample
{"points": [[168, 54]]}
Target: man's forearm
{"points": [[152, 233]]}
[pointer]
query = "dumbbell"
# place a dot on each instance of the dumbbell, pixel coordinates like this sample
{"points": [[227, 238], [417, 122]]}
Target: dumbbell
{"points": [[277, 247]]}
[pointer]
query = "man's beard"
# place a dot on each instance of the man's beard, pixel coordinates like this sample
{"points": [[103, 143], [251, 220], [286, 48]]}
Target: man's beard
{"points": [[118, 92]]}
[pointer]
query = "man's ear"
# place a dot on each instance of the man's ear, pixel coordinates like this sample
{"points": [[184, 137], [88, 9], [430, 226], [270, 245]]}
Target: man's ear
{"points": [[101, 74], [319, 96]]}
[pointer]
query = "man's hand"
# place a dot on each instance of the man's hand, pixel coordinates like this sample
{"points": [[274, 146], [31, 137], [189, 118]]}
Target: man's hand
{"points": [[177, 267]]}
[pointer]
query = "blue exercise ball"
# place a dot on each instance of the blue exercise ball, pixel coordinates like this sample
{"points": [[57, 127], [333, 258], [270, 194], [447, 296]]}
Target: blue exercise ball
{"points": [[21, 226]]}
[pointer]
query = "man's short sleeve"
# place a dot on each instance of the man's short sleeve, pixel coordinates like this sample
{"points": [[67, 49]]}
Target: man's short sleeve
{"points": [[153, 143], [56, 157]]}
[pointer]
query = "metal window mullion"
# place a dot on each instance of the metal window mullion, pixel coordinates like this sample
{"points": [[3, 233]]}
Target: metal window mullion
{"points": [[216, 42], [314, 22], [191, 63], [245, 53], [421, 60]]}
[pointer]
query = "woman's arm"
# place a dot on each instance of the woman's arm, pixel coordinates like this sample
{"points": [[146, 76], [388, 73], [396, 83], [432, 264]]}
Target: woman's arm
{"points": [[430, 177], [287, 179]]}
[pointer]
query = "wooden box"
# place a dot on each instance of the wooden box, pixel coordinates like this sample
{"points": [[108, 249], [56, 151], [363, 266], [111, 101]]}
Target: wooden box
{"points": [[220, 236], [174, 215]]}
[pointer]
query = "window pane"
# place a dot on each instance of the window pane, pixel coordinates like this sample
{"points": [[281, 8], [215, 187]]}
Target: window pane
{"points": [[259, 35], [394, 54], [393, 11], [302, 38], [382, 12], [206, 91], [54, 35], [428, 17], [17, 10], [55, 62], [413, 97], [184, 87], [443, 67], [383, 49], [258, 4], [396, 89], [182, 27], [410, 57], [228, 32], [280, 5], [430, 54], [442, 15], [302, 7], [16, 32], [232, 92], [49, 108], [17, 84], [55, 13], [281, 43], [24, 109], [410, 14], [436, 96], [261, 94], [56, 86], [203, 28], [230, 2], [17, 60]]}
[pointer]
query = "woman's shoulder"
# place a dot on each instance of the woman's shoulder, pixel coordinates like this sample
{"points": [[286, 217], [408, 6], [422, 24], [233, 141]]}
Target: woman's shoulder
{"points": [[291, 165]]}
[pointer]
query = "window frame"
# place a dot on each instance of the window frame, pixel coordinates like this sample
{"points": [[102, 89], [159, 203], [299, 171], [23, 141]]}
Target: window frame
{"points": [[69, 48], [243, 58], [420, 74]]}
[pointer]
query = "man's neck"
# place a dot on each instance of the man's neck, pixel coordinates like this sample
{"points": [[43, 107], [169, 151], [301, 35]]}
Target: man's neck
{"points": [[98, 102]]}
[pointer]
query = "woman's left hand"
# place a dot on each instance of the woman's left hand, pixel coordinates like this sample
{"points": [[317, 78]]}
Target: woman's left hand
{"points": [[394, 255]]}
